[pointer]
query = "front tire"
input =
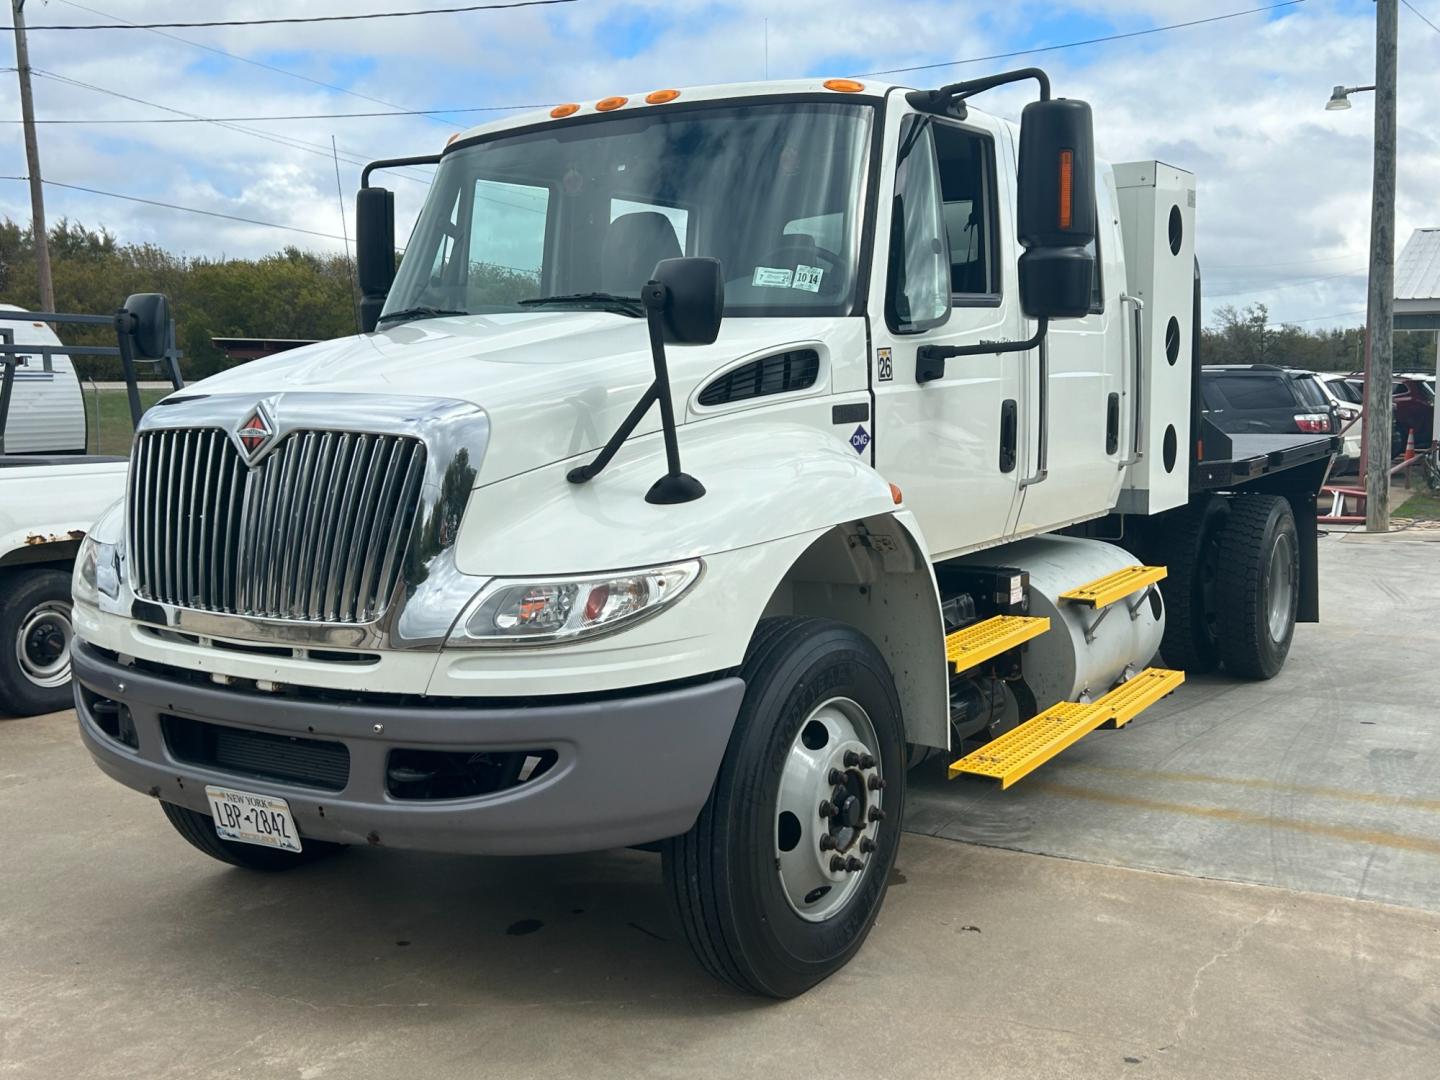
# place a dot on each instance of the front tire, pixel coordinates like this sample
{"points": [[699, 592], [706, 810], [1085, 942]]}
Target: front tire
{"points": [[35, 637], [780, 879], [199, 831], [1257, 585]]}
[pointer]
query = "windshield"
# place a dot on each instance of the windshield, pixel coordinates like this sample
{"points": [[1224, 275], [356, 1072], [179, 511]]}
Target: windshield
{"points": [[570, 211]]}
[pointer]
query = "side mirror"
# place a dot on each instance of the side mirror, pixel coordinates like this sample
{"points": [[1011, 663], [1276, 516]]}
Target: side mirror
{"points": [[374, 251], [694, 301], [1057, 216], [149, 324]]}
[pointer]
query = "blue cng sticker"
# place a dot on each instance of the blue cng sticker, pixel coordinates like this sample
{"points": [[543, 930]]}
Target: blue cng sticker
{"points": [[860, 440]]}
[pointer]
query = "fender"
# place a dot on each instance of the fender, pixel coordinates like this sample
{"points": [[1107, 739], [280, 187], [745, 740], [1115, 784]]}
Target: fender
{"points": [[36, 526], [781, 474]]}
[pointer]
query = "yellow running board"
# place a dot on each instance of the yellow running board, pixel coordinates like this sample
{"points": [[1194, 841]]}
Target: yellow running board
{"points": [[1027, 747], [1116, 586], [987, 640]]}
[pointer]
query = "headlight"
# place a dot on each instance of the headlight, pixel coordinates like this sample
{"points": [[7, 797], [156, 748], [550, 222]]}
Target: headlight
{"points": [[97, 570], [543, 611]]}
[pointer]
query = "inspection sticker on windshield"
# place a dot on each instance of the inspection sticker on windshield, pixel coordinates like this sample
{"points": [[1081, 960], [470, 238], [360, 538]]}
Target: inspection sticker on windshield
{"points": [[252, 819], [774, 277], [808, 278]]}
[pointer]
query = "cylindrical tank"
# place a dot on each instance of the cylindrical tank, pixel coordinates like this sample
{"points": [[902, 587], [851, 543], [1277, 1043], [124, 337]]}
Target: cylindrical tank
{"points": [[1062, 665]]}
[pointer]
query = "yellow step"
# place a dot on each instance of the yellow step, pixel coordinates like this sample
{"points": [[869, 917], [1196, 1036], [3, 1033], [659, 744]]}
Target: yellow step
{"points": [[987, 640], [1116, 586], [1040, 738]]}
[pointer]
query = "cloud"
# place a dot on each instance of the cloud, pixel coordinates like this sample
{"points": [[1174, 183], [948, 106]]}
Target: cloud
{"points": [[1283, 185]]}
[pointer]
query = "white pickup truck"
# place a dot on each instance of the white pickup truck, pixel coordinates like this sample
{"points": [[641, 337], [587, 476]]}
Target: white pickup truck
{"points": [[714, 455]]}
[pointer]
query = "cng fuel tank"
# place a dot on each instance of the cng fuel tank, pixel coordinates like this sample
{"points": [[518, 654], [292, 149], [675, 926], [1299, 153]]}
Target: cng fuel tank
{"points": [[1062, 665]]}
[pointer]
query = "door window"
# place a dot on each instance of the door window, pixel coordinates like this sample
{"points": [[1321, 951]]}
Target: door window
{"points": [[919, 288], [967, 187]]}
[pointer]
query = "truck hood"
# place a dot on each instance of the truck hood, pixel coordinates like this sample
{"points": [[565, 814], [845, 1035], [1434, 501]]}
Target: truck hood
{"points": [[554, 384]]}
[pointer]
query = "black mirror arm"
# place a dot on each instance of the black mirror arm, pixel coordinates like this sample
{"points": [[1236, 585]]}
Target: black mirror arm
{"points": [[930, 359], [951, 99]]}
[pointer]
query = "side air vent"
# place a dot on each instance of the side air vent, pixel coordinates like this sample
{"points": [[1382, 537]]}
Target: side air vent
{"points": [[778, 374]]}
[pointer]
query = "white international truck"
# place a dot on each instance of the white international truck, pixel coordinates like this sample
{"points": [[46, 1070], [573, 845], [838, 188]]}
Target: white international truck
{"points": [[713, 456]]}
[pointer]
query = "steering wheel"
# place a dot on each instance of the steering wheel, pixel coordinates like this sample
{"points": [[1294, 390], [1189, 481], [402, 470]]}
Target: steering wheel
{"points": [[792, 253]]}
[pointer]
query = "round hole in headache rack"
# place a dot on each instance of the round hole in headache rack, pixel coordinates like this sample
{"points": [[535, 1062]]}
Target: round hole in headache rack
{"points": [[1172, 340], [1177, 230], [1171, 448]]}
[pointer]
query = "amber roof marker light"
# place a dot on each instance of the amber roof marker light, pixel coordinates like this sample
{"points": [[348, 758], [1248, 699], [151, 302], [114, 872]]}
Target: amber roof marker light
{"points": [[559, 112], [660, 97], [844, 86], [610, 104]]}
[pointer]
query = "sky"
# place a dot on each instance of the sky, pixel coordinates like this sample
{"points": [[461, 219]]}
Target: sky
{"points": [[1284, 186]]}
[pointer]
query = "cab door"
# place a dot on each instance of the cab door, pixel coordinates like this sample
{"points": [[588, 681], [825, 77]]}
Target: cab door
{"points": [[944, 275]]}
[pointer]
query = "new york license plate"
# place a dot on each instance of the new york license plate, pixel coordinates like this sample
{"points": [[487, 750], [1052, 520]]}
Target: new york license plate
{"points": [[252, 819]]}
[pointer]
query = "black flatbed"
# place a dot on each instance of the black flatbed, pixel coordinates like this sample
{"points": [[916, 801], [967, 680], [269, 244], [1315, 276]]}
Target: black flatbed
{"points": [[1231, 460]]}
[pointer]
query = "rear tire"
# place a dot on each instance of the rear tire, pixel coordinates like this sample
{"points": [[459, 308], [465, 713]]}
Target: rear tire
{"points": [[199, 831], [1187, 545], [1258, 585], [35, 636], [752, 882]]}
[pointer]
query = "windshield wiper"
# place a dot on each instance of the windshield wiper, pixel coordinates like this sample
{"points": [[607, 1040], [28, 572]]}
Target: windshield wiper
{"points": [[419, 313], [622, 305]]}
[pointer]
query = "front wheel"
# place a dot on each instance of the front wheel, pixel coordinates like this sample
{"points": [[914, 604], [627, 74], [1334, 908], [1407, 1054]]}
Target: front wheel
{"points": [[782, 875], [35, 635]]}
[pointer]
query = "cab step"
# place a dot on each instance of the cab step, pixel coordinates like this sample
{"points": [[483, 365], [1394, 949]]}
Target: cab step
{"points": [[982, 641], [1116, 586], [1027, 747]]}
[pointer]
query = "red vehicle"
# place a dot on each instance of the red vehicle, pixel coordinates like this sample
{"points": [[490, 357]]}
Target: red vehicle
{"points": [[1414, 402]]}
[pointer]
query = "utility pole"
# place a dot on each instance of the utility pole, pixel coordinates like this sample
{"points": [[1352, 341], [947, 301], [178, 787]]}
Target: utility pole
{"points": [[32, 161], [1380, 316]]}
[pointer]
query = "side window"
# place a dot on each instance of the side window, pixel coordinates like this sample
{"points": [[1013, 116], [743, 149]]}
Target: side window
{"points": [[967, 188], [507, 242], [678, 216], [918, 296]]}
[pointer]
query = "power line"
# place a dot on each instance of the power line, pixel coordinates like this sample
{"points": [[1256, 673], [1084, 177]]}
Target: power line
{"points": [[1087, 41], [1423, 19], [294, 116], [1259, 266], [175, 206], [253, 63], [1287, 285], [300, 18]]}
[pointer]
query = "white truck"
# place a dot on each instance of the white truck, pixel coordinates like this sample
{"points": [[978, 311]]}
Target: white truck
{"points": [[713, 456], [51, 490]]}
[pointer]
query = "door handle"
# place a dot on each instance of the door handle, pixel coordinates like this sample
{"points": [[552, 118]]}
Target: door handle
{"points": [[1137, 345]]}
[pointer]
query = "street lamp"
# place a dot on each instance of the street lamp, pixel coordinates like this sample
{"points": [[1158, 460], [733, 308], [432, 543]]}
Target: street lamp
{"points": [[1340, 97]]}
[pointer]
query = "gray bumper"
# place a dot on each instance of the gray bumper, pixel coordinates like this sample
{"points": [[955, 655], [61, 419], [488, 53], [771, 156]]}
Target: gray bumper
{"points": [[629, 770]]}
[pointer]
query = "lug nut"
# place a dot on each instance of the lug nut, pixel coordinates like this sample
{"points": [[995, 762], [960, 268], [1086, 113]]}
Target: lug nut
{"points": [[875, 783], [853, 864], [827, 808], [876, 814], [851, 759], [827, 842], [837, 863], [836, 778], [866, 845], [866, 761]]}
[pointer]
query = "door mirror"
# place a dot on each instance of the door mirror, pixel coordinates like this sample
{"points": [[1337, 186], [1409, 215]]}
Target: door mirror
{"points": [[374, 251], [694, 302], [1057, 217], [149, 325]]}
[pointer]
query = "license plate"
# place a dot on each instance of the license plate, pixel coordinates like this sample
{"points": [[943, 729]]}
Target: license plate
{"points": [[252, 819]]}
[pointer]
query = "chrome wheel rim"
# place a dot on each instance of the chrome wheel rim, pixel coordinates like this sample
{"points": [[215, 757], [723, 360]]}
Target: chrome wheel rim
{"points": [[828, 812], [1282, 586], [42, 647]]}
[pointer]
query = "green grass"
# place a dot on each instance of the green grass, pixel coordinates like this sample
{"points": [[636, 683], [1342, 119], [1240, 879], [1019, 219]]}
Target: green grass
{"points": [[1420, 507], [112, 435]]}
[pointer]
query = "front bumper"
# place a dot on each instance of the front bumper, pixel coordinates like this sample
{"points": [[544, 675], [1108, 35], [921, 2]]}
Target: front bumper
{"points": [[629, 769]]}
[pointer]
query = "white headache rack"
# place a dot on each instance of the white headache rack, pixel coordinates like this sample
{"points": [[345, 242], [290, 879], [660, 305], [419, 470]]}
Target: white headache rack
{"points": [[1157, 219]]}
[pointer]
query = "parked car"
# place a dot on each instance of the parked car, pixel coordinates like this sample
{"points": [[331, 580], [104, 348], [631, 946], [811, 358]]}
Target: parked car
{"points": [[1347, 414], [1413, 394], [1247, 399]]}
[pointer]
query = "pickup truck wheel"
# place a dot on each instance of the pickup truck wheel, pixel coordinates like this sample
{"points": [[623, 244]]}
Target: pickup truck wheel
{"points": [[35, 634], [1188, 547], [199, 830], [1258, 585], [782, 875]]}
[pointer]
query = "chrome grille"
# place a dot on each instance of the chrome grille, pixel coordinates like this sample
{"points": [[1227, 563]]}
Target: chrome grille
{"points": [[316, 531]]}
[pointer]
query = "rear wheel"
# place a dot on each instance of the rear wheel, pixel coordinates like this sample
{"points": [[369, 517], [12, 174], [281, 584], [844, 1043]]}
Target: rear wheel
{"points": [[35, 636], [780, 879], [1257, 585], [199, 830]]}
